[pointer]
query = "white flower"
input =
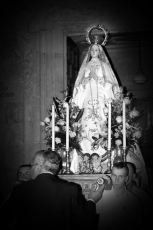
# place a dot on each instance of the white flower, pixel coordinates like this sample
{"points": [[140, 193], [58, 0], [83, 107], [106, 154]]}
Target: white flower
{"points": [[65, 104], [127, 100], [119, 119], [96, 135], [61, 122], [58, 140], [137, 134], [74, 116], [104, 132], [75, 124], [57, 129], [83, 133], [127, 125], [72, 134], [42, 123], [134, 113], [119, 127], [118, 142], [116, 135], [47, 120], [105, 110]]}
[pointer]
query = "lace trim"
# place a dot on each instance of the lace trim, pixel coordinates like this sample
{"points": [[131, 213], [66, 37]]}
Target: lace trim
{"points": [[101, 80], [93, 75]]}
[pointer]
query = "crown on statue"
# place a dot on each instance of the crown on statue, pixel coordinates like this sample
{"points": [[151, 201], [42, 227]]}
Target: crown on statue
{"points": [[97, 39]]}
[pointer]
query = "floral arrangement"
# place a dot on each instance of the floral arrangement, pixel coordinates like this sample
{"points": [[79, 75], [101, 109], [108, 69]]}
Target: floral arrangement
{"points": [[60, 125], [92, 163], [133, 130]]}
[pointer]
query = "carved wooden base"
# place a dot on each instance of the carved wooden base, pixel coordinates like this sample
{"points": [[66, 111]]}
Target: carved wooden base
{"points": [[85, 180]]}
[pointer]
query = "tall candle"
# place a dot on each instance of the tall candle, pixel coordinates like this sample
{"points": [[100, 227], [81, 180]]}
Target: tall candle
{"points": [[124, 126], [109, 126], [67, 127], [53, 128]]}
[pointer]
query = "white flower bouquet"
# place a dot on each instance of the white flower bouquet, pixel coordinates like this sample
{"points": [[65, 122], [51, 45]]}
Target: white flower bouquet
{"points": [[60, 125], [133, 130]]}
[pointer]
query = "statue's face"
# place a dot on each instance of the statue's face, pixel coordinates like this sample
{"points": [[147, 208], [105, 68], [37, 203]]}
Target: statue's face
{"points": [[86, 158], [94, 157], [94, 51]]}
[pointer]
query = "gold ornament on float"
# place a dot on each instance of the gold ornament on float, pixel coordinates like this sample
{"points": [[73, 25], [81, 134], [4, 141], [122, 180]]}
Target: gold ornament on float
{"points": [[97, 39]]}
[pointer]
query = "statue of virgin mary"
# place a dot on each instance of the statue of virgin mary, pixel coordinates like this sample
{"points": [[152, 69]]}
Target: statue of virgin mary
{"points": [[95, 86]]}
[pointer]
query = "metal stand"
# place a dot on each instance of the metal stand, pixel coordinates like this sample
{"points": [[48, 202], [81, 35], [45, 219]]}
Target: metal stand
{"points": [[109, 161], [124, 153], [67, 162]]}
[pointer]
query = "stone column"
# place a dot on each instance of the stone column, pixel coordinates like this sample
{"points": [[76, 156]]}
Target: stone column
{"points": [[49, 79]]}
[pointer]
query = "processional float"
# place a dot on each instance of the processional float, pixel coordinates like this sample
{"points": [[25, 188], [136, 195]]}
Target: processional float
{"points": [[62, 132]]}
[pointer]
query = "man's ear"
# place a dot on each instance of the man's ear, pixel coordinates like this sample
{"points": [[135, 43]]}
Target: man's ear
{"points": [[134, 176], [38, 169], [126, 179]]}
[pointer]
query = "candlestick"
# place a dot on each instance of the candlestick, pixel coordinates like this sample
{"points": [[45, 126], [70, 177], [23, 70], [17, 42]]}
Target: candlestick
{"points": [[67, 140], [124, 126], [53, 128], [67, 127], [109, 139], [109, 126]]}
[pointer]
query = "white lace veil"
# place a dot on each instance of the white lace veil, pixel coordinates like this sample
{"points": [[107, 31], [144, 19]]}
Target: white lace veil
{"points": [[110, 78]]}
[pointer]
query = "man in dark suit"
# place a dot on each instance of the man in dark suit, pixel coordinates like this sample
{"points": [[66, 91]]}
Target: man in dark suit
{"points": [[48, 202]]}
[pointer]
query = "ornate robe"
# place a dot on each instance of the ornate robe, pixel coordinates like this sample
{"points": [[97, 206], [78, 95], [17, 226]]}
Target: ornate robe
{"points": [[93, 95]]}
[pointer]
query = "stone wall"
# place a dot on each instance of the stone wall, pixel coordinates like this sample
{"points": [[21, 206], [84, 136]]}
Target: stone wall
{"points": [[32, 72]]}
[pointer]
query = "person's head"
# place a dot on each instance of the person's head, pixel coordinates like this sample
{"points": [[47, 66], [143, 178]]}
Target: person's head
{"points": [[132, 173], [45, 161], [23, 173], [94, 156], [119, 175], [86, 156], [95, 50]]}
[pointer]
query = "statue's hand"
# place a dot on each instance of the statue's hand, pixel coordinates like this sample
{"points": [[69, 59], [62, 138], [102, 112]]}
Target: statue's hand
{"points": [[87, 72], [109, 100]]}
